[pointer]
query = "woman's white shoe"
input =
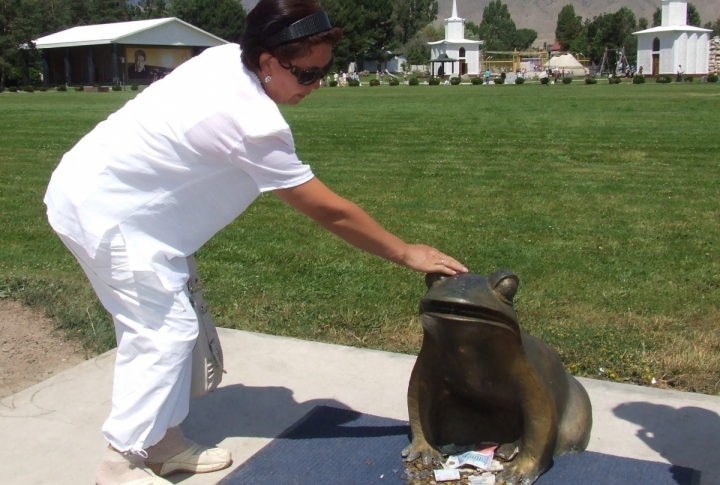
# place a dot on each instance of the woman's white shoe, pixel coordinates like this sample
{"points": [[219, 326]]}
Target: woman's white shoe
{"points": [[196, 459], [120, 469]]}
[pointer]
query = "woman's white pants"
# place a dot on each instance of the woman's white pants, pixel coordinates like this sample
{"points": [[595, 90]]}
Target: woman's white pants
{"points": [[156, 331]]}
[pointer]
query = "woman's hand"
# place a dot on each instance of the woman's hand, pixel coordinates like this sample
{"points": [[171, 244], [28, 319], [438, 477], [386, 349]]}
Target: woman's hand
{"points": [[427, 259]]}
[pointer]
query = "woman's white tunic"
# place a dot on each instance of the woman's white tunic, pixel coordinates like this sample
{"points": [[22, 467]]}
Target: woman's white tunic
{"points": [[175, 165]]}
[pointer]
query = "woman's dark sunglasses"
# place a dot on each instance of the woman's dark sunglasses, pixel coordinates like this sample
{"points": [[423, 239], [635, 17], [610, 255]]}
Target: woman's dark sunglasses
{"points": [[308, 76]]}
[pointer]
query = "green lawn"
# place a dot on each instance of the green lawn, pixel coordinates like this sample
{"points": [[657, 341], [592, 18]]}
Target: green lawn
{"points": [[603, 199]]}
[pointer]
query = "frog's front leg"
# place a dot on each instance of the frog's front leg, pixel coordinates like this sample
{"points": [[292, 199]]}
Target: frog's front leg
{"points": [[540, 428], [420, 409]]}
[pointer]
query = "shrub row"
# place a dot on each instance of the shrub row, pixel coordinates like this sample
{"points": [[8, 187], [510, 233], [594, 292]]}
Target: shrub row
{"points": [[62, 87], [712, 78]]}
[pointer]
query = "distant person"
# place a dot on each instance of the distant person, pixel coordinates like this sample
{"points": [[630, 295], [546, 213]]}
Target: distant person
{"points": [[441, 71], [640, 71], [149, 186], [487, 76], [679, 76]]}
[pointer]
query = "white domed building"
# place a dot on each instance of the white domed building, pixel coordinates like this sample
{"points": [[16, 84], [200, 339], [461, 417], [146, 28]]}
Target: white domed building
{"points": [[675, 45], [455, 54]]}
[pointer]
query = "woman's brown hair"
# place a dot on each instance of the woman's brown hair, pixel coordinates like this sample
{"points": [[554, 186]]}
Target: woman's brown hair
{"points": [[270, 17]]}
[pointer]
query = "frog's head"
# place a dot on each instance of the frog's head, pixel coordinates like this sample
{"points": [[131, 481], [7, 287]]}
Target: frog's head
{"points": [[472, 298]]}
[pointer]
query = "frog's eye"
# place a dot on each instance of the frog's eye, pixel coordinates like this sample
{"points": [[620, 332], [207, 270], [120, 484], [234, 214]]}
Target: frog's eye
{"points": [[505, 284], [432, 279]]}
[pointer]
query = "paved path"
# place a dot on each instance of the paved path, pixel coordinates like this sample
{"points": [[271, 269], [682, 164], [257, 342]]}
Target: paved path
{"points": [[51, 431]]}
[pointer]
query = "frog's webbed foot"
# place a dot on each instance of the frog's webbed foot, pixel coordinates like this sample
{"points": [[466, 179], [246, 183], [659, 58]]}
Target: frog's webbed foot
{"points": [[521, 471], [521, 468], [421, 448]]}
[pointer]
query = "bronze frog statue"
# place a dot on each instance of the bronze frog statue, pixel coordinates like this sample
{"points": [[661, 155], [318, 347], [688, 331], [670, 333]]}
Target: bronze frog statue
{"points": [[479, 378]]}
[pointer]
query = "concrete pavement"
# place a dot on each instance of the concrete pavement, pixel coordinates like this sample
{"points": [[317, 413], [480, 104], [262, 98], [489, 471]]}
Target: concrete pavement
{"points": [[50, 433]]}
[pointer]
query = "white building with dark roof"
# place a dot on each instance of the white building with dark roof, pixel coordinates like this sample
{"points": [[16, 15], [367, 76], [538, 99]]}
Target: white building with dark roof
{"points": [[129, 52], [674, 45], [464, 54]]}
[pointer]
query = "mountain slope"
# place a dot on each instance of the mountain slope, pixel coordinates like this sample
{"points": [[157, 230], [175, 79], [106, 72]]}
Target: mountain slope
{"points": [[541, 15]]}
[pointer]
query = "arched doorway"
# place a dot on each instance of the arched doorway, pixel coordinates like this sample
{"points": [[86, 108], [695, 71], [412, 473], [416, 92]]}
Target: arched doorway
{"points": [[656, 56], [463, 64]]}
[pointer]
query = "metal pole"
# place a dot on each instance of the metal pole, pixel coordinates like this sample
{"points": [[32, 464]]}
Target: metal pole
{"points": [[123, 67]]}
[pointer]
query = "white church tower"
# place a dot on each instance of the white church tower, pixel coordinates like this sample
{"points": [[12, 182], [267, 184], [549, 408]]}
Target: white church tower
{"points": [[456, 55], [674, 45]]}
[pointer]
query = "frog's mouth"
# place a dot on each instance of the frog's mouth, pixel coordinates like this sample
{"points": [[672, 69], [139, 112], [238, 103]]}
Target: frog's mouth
{"points": [[461, 311]]}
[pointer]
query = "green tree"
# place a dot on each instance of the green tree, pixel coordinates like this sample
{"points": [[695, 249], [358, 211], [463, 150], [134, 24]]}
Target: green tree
{"points": [[497, 27], [223, 18], [642, 23], [693, 16], [417, 50], [79, 12], [524, 38], [21, 22], [368, 29], [472, 30], [580, 44], [715, 27], [432, 34], [569, 26], [147, 9], [409, 16], [657, 17], [612, 31], [107, 11]]}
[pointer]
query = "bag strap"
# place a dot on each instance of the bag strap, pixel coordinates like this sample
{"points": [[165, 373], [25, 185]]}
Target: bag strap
{"points": [[195, 287]]}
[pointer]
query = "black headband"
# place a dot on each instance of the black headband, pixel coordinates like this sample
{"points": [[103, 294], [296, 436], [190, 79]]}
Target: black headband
{"points": [[310, 25]]}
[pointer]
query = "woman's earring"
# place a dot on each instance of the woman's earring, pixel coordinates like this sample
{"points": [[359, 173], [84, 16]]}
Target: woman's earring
{"points": [[268, 78]]}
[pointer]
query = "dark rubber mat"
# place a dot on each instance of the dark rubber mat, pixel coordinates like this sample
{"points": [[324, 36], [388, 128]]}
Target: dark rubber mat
{"points": [[331, 446]]}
